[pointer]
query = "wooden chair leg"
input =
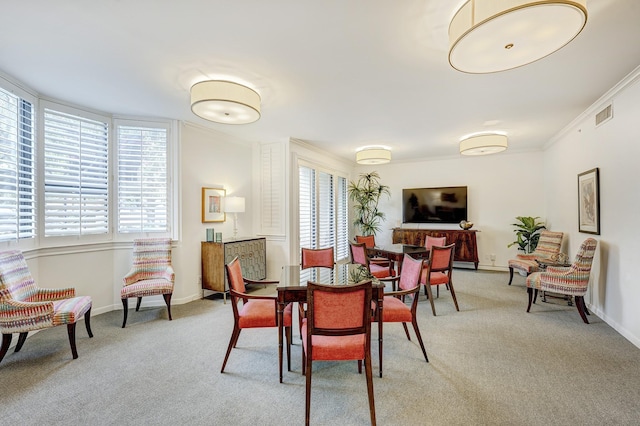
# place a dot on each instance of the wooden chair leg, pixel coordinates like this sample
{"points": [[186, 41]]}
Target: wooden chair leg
{"points": [[87, 322], [406, 330], [530, 293], [287, 332], [138, 304], [6, 341], [125, 310], [535, 295], [430, 296], [510, 274], [417, 331], [580, 305], [369, 374], [21, 339], [71, 331], [167, 300], [307, 403], [232, 343], [453, 295]]}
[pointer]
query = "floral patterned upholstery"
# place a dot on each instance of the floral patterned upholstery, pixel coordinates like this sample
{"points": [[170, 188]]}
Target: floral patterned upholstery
{"points": [[150, 275], [548, 246], [24, 307], [571, 281]]}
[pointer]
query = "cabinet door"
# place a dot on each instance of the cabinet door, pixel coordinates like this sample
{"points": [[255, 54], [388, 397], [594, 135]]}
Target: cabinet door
{"points": [[252, 255]]}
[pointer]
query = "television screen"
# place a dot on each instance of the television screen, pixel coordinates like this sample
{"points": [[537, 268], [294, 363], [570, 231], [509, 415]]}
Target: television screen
{"points": [[434, 205]]}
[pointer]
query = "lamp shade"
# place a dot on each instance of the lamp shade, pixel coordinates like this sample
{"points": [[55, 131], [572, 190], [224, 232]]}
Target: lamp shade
{"points": [[234, 204], [225, 102], [488, 36], [483, 144], [373, 156]]}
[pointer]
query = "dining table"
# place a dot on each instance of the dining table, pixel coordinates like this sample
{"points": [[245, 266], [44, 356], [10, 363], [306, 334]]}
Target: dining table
{"points": [[293, 288], [395, 252]]}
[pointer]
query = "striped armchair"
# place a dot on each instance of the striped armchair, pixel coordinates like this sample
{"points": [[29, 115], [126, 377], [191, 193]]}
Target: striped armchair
{"points": [[24, 307], [150, 275], [570, 281], [548, 246]]}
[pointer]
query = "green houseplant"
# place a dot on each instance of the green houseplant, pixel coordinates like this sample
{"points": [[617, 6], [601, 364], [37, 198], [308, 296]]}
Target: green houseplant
{"points": [[365, 193], [527, 233]]}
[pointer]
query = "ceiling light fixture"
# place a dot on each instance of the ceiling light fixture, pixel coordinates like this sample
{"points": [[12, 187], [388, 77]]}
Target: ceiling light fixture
{"points": [[487, 36], [373, 155], [490, 143], [225, 102]]}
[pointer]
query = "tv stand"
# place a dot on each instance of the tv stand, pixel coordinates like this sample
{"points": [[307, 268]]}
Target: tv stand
{"points": [[465, 241]]}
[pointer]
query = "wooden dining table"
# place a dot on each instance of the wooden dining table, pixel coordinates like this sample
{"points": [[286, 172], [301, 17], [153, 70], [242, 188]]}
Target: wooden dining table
{"points": [[396, 252], [293, 288]]}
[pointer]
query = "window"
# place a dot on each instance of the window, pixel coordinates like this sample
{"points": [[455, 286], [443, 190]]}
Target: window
{"points": [[76, 166], [143, 190], [323, 220], [17, 165]]}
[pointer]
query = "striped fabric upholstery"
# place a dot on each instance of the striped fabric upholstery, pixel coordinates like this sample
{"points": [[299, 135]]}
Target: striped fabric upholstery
{"points": [[24, 307], [572, 281], [151, 273], [548, 245]]}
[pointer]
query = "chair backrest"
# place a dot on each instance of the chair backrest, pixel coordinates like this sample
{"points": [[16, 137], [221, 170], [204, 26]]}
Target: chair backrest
{"points": [[234, 275], [548, 244], [337, 310], [16, 281], [411, 270], [441, 258], [317, 257], [358, 253], [151, 255], [434, 241], [581, 265], [368, 240]]}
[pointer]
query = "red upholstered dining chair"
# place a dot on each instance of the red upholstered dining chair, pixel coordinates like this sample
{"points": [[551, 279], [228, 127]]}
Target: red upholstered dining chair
{"points": [[359, 256], [24, 307], [548, 247], [338, 328], [151, 274], [430, 241], [370, 242], [570, 281], [395, 308], [255, 312], [313, 258], [438, 272]]}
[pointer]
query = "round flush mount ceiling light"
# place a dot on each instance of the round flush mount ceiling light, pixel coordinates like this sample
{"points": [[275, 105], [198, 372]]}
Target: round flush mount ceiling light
{"points": [[487, 36], [373, 155], [225, 102], [483, 144]]}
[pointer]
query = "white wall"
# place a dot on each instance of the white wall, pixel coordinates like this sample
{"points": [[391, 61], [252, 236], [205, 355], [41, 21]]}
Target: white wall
{"points": [[500, 187]]}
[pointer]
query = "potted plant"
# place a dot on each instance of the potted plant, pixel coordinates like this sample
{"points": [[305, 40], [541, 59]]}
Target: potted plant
{"points": [[527, 233], [365, 193]]}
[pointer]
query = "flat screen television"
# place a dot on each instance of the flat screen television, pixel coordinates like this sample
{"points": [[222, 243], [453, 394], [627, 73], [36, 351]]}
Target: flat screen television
{"points": [[434, 205]]}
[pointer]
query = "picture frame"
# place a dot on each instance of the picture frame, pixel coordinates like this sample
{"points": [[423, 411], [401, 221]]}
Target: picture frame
{"points": [[212, 205], [589, 202]]}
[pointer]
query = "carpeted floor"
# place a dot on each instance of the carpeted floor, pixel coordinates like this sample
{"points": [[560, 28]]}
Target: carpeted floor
{"points": [[491, 363]]}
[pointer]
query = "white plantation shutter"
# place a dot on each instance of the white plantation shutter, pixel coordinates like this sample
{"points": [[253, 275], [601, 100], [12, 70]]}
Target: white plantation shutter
{"points": [[342, 219], [17, 165], [76, 167], [326, 224], [272, 184], [307, 203], [143, 200]]}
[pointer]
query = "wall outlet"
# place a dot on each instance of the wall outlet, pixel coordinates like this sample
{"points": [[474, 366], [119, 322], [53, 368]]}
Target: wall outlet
{"points": [[493, 257]]}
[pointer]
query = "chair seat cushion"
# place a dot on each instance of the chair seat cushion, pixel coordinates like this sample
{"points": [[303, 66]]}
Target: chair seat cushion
{"points": [[262, 313], [528, 266], [144, 288], [436, 278], [558, 284], [380, 271], [68, 311], [335, 348], [395, 310]]}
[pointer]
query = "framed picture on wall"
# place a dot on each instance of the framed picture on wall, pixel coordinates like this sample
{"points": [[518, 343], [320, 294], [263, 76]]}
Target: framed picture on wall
{"points": [[589, 202], [212, 205]]}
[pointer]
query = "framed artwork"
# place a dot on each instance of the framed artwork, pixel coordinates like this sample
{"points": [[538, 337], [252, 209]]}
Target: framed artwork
{"points": [[212, 205], [589, 202]]}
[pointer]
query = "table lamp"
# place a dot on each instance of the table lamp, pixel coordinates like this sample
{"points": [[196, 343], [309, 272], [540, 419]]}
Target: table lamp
{"points": [[234, 205]]}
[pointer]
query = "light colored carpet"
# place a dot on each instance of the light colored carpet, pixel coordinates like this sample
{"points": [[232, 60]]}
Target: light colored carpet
{"points": [[491, 363]]}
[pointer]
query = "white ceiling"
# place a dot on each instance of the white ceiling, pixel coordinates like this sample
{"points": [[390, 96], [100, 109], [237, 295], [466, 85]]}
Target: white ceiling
{"points": [[338, 74]]}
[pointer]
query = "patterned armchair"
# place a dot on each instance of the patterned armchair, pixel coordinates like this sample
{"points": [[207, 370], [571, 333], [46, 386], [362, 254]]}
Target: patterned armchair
{"points": [[570, 281], [24, 307], [548, 247], [150, 275]]}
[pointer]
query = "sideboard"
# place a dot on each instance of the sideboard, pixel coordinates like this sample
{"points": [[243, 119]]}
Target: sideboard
{"points": [[465, 241], [252, 253]]}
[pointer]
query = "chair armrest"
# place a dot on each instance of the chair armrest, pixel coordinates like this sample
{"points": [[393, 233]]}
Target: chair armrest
{"points": [[49, 294], [526, 256], [403, 292], [394, 281], [234, 293], [263, 282], [12, 310]]}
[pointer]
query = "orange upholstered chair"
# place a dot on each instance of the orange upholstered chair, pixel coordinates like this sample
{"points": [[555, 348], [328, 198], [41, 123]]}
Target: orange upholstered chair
{"points": [[370, 242], [338, 328], [256, 311], [359, 256], [395, 308], [438, 272], [314, 258], [548, 247], [434, 241]]}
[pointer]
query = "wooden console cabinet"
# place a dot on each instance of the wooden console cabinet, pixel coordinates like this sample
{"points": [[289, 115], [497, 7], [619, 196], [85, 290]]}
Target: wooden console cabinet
{"points": [[465, 241], [252, 253]]}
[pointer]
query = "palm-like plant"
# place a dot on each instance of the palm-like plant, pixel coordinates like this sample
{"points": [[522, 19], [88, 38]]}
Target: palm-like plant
{"points": [[365, 194], [527, 233]]}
